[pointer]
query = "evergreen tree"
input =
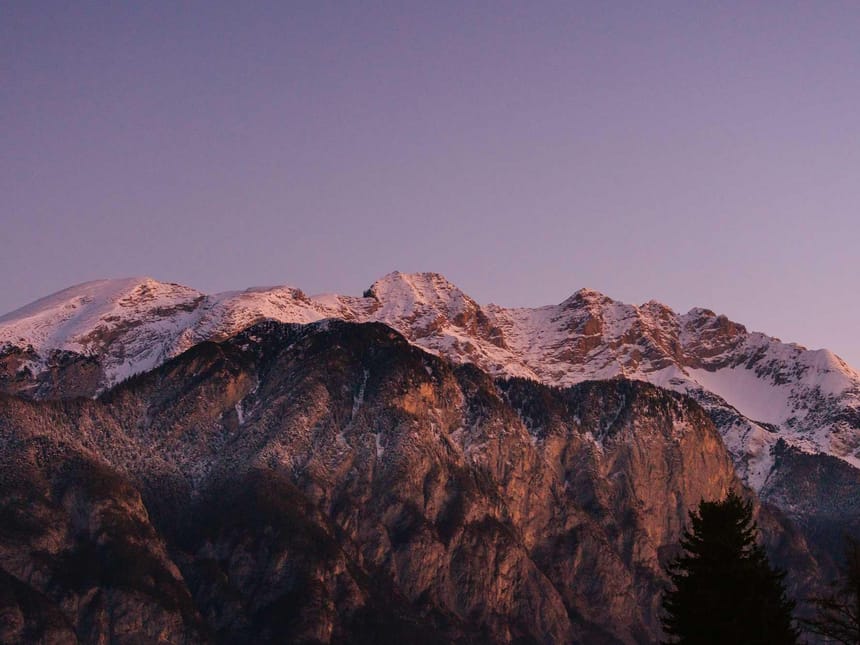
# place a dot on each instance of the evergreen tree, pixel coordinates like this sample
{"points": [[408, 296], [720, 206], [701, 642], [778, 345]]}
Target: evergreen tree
{"points": [[724, 590]]}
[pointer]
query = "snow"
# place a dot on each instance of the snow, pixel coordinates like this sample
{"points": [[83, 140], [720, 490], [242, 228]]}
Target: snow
{"points": [[828, 372], [754, 397], [751, 447], [358, 399], [87, 318], [135, 324], [406, 295], [63, 319], [240, 413], [670, 377]]}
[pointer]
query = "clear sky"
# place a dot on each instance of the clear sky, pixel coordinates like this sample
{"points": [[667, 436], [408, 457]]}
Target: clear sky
{"points": [[694, 153]]}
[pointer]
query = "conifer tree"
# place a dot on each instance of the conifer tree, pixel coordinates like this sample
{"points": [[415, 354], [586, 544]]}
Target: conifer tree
{"points": [[724, 590]]}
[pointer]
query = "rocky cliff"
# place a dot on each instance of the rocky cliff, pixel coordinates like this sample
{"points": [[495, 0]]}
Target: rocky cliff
{"points": [[785, 413], [759, 390], [335, 483]]}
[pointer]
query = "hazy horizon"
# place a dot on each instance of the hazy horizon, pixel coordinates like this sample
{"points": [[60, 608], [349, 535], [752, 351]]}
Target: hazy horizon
{"points": [[699, 156]]}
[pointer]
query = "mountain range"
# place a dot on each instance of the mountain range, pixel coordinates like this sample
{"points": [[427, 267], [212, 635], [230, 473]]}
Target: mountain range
{"points": [[472, 473], [85, 339]]}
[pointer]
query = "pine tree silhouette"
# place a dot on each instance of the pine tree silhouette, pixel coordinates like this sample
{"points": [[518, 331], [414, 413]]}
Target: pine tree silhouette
{"points": [[724, 590]]}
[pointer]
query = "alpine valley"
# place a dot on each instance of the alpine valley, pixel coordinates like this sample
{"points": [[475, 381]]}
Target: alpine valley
{"points": [[407, 466]]}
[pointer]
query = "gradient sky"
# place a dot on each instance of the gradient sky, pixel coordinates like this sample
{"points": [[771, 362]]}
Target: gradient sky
{"points": [[697, 155]]}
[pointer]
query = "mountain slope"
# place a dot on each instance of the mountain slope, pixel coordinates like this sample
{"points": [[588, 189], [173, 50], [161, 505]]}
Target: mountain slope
{"points": [[334, 483], [758, 389]]}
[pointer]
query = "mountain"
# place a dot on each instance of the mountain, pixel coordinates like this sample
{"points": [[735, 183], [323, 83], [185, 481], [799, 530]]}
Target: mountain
{"points": [[334, 483], [761, 392], [409, 465]]}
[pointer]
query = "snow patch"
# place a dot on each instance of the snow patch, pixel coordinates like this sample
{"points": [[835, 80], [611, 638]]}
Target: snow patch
{"points": [[752, 396], [240, 413], [136, 324], [358, 399]]}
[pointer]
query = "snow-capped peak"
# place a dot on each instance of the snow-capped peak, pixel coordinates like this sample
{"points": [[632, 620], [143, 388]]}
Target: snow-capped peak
{"points": [[586, 295], [408, 291], [422, 305], [71, 319], [813, 397]]}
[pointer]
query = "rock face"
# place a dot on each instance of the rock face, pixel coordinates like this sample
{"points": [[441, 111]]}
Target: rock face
{"points": [[79, 559], [759, 390], [335, 483], [784, 412]]}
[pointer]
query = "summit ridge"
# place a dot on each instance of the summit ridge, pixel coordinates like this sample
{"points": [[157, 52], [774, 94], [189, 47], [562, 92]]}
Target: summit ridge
{"points": [[760, 390]]}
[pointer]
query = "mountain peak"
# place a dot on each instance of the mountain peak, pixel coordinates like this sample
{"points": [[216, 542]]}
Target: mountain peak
{"points": [[586, 296], [92, 300], [408, 290], [426, 280], [103, 290], [701, 312], [135, 324]]}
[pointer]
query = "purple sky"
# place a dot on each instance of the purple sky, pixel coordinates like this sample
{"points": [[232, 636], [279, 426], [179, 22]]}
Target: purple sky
{"points": [[695, 155]]}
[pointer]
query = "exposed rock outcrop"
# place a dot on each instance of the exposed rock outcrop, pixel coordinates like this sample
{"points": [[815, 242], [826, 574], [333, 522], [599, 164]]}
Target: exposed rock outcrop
{"points": [[335, 483]]}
